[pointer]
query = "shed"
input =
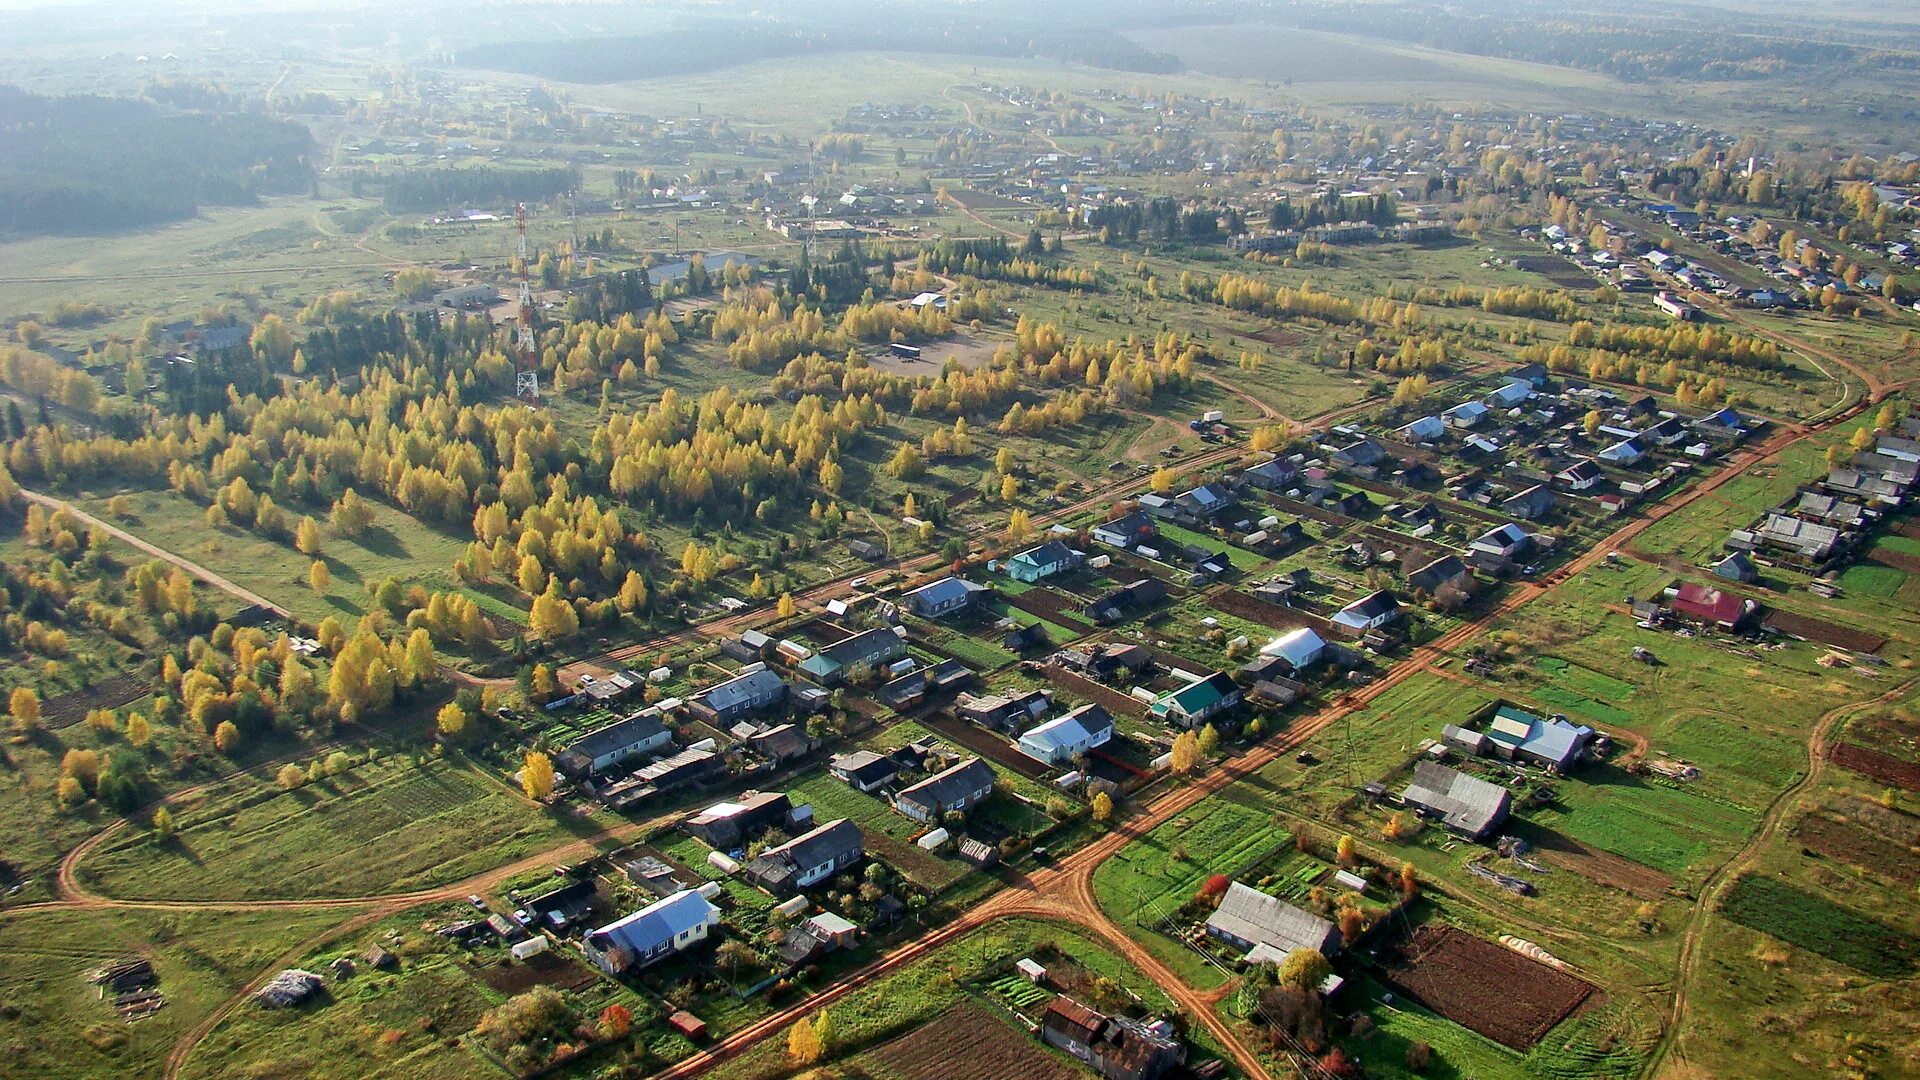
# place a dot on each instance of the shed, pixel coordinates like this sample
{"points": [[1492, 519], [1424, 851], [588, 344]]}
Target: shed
{"points": [[1031, 969], [687, 1024], [529, 948]]}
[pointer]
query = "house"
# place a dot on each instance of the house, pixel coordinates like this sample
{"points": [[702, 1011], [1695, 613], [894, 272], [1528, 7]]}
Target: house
{"points": [[1737, 567], [1703, 604], [1624, 452], [1006, 713], [1211, 565], [1112, 662], [1725, 425], [783, 743], [1802, 541], [1198, 701], [1667, 432], [864, 770], [1425, 429], [1447, 570], [1370, 612], [750, 647], [1065, 737], [1024, 639], [1534, 375], [653, 933], [685, 767], [1276, 475], [1509, 541], [1115, 1047], [1297, 649], [1467, 806], [1861, 485], [956, 789], [1831, 510], [750, 692], [869, 648], [1364, 454], [1521, 736], [1267, 928], [1465, 739], [599, 751], [1530, 505], [1465, 415], [1050, 558], [811, 857], [1205, 501], [1353, 504], [1115, 605], [1126, 531], [1512, 394], [1160, 506], [943, 597], [724, 825], [1580, 475], [560, 906], [861, 549]]}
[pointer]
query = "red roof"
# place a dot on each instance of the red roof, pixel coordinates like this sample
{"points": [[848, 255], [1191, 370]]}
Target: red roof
{"points": [[1069, 1017], [1702, 602]]}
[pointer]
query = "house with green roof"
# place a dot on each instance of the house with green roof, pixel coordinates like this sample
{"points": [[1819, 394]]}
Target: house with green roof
{"points": [[1199, 701]]}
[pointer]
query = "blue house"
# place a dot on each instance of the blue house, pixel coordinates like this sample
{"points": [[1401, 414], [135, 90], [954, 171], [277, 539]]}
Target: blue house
{"points": [[1465, 415], [1624, 452], [1513, 393], [1425, 429], [1554, 743], [943, 597], [659, 930], [1050, 558]]}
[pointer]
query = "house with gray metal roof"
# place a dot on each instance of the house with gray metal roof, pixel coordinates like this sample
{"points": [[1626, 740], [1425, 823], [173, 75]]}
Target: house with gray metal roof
{"points": [[723, 703], [605, 748], [1467, 805], [956, 789], [1267, 928]]}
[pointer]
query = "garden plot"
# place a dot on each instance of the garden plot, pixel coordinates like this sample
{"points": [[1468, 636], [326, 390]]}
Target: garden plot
{"points": [[1484, 987], [1819, 925], [1876, 766], [965, 1043]]}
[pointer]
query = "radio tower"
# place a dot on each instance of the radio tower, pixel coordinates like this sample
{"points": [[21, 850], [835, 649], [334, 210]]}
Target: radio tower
{"points": [[526, 383]]}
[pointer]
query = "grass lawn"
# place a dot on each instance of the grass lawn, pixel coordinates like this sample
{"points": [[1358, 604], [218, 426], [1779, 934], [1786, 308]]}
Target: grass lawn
{"points": [[1669, 830], [1243, 560], [386, 826], [56, 1026], [1869, 579]]}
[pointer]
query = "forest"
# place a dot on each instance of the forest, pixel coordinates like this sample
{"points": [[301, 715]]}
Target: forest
{"points": [[453, 188], [87, 164]]}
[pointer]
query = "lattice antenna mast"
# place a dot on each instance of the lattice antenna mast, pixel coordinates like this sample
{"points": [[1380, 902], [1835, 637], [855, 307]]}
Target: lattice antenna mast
{"points": [[526, 383]]}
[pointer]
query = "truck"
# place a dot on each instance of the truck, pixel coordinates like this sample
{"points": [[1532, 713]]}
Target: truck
{"points": [[1213, 416]]}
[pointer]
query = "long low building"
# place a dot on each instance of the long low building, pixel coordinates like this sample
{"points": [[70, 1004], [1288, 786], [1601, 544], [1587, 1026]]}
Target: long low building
{"points": [[1267, 927], [1467, 805]]}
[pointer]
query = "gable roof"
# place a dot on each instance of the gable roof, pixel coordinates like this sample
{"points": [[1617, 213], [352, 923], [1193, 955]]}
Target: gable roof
{"points": [[656, 924], [1299, 647], [944, 789], [1437, 573], [1051, 553], [947, 590], [740, 690], [617, 736], [818, 846], [1467, 803], [1704, 602], [1197, 696], [1078, 728], [1250, 915]]}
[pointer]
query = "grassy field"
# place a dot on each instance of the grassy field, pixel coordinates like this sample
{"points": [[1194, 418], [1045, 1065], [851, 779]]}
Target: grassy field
{"points": [[55, 1025], [396, 546], [387, 826], [405, 1023]]}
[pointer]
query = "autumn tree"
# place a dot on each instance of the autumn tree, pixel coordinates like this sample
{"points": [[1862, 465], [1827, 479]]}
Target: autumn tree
{"points": [[226, 737], [163, 824], [23, 704], [306, 537], [1102, 806], [803, 1046], [1186, 753], [785, 608], [1304, 969], [451, 720], [1345, 851], [536, 775], [614, 1022], [1208, 741], [139, 732], [319, 577], [291, 776], [351, 514]]}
